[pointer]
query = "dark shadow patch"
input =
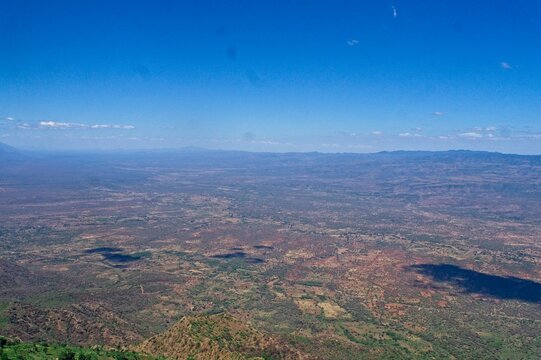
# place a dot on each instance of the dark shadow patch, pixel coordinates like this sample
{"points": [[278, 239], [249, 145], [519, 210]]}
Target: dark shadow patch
{"points": [[239, 255], [233, 255], [115, 255], [236, 249], [103, 250], [470, 281], [263, 247], [119, 266], [121, 258], [254, 260]]}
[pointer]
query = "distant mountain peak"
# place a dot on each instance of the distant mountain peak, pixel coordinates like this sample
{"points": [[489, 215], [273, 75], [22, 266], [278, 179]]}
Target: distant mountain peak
{"points": [[6, 149]]}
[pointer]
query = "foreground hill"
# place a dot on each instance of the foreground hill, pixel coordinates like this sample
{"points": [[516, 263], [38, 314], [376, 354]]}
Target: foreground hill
{"points": [[219, 337]]}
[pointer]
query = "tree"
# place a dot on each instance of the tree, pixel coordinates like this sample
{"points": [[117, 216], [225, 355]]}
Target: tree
{"points": [[67, 355], [83, 356]]}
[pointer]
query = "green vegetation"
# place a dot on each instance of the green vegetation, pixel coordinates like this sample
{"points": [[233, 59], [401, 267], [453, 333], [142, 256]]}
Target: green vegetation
{"points": [[15, 350], [311, 283], [3, 315]]}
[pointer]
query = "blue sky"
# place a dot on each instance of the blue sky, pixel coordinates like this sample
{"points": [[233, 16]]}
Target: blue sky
{"points": [[355, 76]]}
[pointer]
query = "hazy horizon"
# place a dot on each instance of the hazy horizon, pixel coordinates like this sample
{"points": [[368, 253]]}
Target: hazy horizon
{"points": [[197, 149]]}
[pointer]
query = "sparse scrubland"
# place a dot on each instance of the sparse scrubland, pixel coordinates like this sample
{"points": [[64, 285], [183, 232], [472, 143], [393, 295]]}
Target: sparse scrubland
{"points": [[236, 255]]}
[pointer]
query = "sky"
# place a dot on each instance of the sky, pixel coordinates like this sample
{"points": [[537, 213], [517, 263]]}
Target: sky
{"points": [[329, 76]]}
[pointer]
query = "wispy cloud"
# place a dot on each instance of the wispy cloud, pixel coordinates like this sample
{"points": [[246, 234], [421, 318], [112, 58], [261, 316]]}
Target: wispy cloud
{"points": [[407, 134], [471, 135], [107, 126], [9, 118], [352, 42], [55, 124], [395, 12], [490, 133], [438, 113], [377, 133], [530, 136], [64, 125], [505, 65]]}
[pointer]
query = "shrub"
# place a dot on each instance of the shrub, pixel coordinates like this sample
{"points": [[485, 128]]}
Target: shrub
{"points": [[67, 355]]}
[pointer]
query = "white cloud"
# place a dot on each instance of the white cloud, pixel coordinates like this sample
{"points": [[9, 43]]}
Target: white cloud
{"points": [[63, 125], [529, 136], [438, 113], [352, 42], [395, 13], [377, 133], [470, 135], [505, 65], [55, 124], [491, 128], [407, 134], [107, 126], [9, 118]]}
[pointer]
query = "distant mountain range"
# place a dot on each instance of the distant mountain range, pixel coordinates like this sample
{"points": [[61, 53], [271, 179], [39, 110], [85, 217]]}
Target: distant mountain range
{"points": [[7, 149]]}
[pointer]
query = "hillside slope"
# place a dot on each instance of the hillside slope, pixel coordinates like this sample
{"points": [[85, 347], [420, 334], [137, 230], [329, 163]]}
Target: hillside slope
{"points": [[219, 337]]}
